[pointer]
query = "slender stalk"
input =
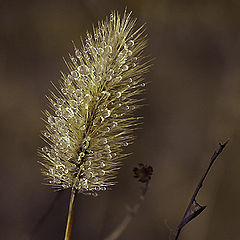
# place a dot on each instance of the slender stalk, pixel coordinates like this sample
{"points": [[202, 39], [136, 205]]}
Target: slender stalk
{"points": [[70, 216]]}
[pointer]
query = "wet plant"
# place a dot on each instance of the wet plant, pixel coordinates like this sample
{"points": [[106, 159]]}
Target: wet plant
{"points": [[91, 117]]}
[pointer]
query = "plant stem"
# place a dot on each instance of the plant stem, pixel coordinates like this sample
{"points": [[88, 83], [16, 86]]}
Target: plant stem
{"points": [[70, 216]]}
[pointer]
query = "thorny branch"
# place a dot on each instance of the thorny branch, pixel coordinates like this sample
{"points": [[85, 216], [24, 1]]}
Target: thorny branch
{"points": [[194, 208]]}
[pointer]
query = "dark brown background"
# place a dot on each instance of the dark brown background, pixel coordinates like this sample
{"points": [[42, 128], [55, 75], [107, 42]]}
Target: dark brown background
{"points": [[193, 103]]}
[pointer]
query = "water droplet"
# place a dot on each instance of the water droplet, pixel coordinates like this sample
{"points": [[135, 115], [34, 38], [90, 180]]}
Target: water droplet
{"points": [[126, 107], [89, 174], [105, 94], [108, 156], [106, 113], [101, 173], [88, 163], [119, 78], [134, 65], [46, 134], [78, 53], [143, 84], [64, 91], [130, 80], [83, 69], [109, 49], [107, 129], [85, 143], [107, 147], [87, 98], [51, 120], [125, 144], [108, 77], [111, 17], [69, 113], [94, 194], [74, 60], [114, 124], [130, 43], [129, 53], [111, 71], [101, 50], [104, 141], [124, 67], [75, 74], [118, 94], [45, 149], [102, 164]]}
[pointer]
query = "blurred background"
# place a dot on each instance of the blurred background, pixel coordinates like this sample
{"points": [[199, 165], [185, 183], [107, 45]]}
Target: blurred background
{"points": [[193, 103]]}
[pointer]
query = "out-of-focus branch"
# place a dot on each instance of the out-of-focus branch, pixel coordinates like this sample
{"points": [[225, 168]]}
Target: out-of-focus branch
{"points": [[144, 174], [194, 208]]}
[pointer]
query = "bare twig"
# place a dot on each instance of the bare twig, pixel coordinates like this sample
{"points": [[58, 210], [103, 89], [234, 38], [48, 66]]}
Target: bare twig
{"points": [[194, 208]]}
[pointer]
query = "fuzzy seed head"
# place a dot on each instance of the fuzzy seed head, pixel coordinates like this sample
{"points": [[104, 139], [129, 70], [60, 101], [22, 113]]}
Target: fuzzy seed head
{"points": [[91, 119]]}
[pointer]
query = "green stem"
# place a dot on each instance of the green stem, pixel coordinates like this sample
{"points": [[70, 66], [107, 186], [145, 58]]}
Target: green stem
{"points": [[70, 216]]}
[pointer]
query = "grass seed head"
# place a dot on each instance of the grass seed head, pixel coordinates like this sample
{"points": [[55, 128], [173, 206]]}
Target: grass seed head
{"points": [[91, 120]]}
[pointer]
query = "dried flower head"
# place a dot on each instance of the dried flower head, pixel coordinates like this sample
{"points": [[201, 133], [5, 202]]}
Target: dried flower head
{"points": [[143, 173], [91, 119]]}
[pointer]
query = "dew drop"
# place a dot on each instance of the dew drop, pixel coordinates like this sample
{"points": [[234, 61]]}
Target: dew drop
{"points": [[130, 43], [78, 54], [64, 91], [107, 147], [89, 174], [101, 50], [75, 74], [106, 113], [45, 149], [143, 84], [125, 144], [118, 94], [46, 134], [108, 77], [111, 17], [107, 129], [129, 53], [114, 124], [118, 78], [125, 68], [105, 94], [87, 98], [101, 173], [102, 164], [104, 141], [109, 49], [94, 194], [111, 71]]}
